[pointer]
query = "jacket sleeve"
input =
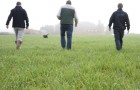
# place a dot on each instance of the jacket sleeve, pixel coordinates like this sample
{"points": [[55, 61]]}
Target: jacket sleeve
{"points": [[76, 17], [59, 14], [111, 20], [127, 22], [26, 19], [9, 18]]}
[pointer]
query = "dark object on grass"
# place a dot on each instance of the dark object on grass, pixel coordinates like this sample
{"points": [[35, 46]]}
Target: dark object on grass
{"points": [[45, 36]]}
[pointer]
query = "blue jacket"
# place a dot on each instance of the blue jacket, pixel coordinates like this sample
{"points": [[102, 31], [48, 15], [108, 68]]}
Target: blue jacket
{"points": [[120, 20], [19, 16]]}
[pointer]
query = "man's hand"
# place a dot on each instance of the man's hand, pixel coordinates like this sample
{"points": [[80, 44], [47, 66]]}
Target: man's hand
{"points": [[128, 28], [26, 27], [59, 17], [109, 28], [7, 26], [75, 24], [127, 31]]}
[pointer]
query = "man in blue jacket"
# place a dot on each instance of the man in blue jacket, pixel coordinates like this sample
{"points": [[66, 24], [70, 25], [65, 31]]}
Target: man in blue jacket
{"points": [[19, 16], [66, 15], [120, 21]]}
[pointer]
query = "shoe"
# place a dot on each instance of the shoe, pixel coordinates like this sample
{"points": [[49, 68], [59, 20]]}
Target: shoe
{"points": [[119, 49], [68, 48]]}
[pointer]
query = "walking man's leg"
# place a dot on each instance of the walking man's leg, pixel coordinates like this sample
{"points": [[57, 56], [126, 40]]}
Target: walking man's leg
{"points": [[19, 38], [16, 33], [117, 39], [121, 37], [69, 36], [62, 32]]}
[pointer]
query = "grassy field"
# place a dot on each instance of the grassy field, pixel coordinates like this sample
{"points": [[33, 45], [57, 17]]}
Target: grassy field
{"points": [[92, 64]]}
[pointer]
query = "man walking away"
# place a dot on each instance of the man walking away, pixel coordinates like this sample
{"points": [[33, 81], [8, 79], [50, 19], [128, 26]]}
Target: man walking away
{"points": [[120, 21], [19, 16], [66, 15]]}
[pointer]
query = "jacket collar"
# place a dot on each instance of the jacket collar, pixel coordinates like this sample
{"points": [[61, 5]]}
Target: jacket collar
{"points": [[18, 6], [120, 10]]}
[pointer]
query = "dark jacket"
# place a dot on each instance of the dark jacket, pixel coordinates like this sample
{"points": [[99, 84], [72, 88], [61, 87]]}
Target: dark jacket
{"points": [[67, 14], [19, 16], [120, 20]]}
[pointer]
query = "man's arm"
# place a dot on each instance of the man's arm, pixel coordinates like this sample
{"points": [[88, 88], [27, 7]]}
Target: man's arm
{"points": [[127, 22], [76, 19], [8, 20], [76, 22], [59, 15], [27, 20], [111, 20]]}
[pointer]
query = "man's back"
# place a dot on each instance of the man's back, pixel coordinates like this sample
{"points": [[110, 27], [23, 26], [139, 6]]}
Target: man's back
{"points": [[120, 19], [67, 14], [19, 16]]}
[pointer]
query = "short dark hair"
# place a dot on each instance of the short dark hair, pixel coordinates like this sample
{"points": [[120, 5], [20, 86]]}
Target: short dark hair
{"points": [[68, 2], [120, 6], [18, 3]]}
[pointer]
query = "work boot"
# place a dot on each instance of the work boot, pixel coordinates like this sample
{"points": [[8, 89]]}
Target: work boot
{"points": [[18, 44]]}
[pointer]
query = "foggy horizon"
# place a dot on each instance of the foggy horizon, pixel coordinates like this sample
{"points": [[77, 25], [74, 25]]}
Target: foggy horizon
{"points": [[44, 12]]}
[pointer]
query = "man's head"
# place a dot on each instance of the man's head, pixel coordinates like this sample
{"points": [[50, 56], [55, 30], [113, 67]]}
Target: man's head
{"points": [[68, 2], [18, 3], [120, 6]]}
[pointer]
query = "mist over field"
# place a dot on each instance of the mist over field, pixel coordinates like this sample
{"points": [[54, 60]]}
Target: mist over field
{"points": [[43, 13], [83, 28]]}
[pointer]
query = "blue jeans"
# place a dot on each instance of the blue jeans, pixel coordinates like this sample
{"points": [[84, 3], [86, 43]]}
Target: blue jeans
{"points": [[68, 29], [118, 35]]}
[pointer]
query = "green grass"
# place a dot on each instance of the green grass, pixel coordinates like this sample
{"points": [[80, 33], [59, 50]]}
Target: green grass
{"points": [[92, 64]]}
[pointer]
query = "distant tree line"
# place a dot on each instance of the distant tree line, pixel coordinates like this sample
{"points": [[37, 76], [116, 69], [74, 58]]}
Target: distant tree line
{"points": [[82, 28]]}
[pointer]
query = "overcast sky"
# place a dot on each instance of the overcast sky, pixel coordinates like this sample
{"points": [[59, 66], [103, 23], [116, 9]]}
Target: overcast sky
{"points": [[43, 12]]}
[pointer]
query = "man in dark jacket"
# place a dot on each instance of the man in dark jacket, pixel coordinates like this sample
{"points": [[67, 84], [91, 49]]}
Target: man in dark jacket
{"points": [[19, 16], [66, 15], [120, 21]]}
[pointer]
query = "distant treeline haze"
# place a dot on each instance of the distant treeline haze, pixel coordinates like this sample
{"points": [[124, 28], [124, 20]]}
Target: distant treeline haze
{"points": [[82, 28]]}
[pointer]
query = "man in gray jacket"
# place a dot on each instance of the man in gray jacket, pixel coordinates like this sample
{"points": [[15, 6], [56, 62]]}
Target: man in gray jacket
{"points": [[66, 15]]}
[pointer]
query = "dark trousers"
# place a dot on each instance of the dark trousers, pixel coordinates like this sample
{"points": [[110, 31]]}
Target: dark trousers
{"points": [[118, 35], [68, 29]]}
